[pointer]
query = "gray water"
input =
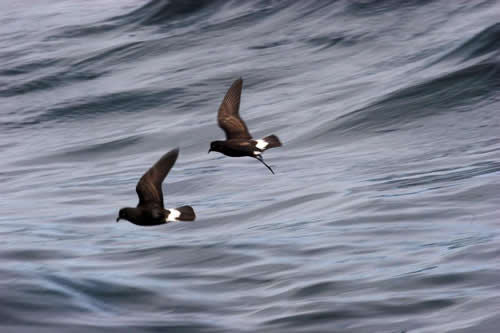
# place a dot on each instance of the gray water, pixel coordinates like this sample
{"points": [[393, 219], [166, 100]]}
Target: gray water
{"points": [[383, 214]]}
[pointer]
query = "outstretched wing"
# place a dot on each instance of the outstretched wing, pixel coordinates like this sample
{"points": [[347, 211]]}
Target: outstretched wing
{"points": [[149, 186], [229, 114]]}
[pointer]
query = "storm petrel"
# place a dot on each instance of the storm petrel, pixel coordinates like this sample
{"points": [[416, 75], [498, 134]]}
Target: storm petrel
{"points": [[150, 210], [238, 141]]}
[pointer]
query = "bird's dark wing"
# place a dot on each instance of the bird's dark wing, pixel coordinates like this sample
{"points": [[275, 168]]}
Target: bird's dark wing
{"points": [[149, 186], [229, 114]]}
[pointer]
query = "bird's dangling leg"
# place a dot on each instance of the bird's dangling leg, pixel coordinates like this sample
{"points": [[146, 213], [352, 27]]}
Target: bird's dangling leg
{"points": [[259, 157]]}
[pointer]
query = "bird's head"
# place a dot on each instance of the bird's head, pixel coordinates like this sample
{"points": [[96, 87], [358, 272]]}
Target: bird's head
{"points": [[125, 214], [215, 146]]}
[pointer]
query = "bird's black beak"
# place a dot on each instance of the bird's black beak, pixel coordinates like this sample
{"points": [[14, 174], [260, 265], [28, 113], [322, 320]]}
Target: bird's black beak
{"points": [[117, 219], [209, 150]]}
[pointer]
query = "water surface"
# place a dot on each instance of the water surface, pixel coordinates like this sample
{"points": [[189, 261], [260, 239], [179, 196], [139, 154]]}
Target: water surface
{"points": [[383, 213]]}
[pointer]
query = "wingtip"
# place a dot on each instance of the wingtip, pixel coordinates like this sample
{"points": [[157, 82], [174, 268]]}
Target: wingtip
{"points": [[174, 151]]}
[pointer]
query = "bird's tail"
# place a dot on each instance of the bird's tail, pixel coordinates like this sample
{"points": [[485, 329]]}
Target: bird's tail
{"points": [[184, 213], [271, 141]]}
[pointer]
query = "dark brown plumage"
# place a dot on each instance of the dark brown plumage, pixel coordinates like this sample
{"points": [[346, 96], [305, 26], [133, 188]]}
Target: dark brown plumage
{"points": [[238, 141], [150, 210]]}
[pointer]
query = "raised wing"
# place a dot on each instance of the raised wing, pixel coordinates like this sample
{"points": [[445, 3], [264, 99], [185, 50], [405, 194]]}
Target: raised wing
{"points": [[149, 186], [229, 114]]}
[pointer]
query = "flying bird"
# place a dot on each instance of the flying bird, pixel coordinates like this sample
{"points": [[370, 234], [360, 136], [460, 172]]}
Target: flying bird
{"points": [[238, 141], [150, 210]]}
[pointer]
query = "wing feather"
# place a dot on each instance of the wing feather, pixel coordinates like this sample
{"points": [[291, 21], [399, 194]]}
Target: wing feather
{"points": [[149, 186], [229, 114]]}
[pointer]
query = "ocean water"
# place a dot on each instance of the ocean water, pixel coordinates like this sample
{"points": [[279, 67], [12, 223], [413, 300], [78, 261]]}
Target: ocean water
{"points": [[383, 215]]}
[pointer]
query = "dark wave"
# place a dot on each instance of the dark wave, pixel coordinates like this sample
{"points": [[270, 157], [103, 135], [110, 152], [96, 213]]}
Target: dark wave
{"points": [[486, 42], [377, 7], [118, 54], [452, 92], [49, 81], [154, 12], [70, 71], [164, 11], [332, 40], [82, 153], [133, 101], [434, 178], [82, 31], [118, 102], [29, 67]]}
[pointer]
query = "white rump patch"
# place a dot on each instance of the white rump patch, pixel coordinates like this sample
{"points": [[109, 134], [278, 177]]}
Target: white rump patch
{"points": [[261, 144], [173, 215]]}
